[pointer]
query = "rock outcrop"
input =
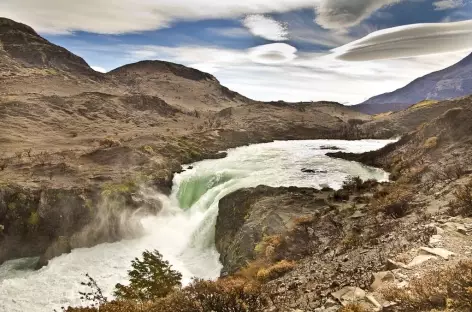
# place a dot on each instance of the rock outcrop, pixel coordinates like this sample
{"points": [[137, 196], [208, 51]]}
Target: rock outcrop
{"points": [[247, 216]]}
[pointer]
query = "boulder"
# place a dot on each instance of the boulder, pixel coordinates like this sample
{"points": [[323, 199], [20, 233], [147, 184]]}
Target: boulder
{"points": [[349, 294], [381, 278], [441, 252], [420, 259], [247, 216]]}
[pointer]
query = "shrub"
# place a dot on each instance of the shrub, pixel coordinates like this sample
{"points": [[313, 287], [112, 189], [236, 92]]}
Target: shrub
{"points": [[431, 143], [353, 307], [353, 184], [450, 173], [341, 195], [224, 295], [394, 200], [268, 242], [444, 288], [109, 142], [150, 278], [462, 202], [276, 270]]}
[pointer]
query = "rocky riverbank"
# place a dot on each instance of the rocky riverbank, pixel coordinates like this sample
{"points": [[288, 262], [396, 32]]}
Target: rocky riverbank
{"points": [[369, 246]]}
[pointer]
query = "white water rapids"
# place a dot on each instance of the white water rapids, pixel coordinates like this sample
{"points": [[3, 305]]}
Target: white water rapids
{"points": [[184, 230]]}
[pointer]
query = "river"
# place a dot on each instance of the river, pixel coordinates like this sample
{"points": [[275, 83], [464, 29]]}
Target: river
{"points": [[184, 230]]}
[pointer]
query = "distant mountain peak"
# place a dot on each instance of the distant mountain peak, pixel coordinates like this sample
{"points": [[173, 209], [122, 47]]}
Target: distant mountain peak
{"points": [[23, 45], [451, 82], [163, 67], [7, 25]]}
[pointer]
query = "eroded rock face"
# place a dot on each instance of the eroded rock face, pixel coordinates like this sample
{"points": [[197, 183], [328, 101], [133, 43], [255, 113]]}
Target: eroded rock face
{"points": [[51, 222], [248, 215]]}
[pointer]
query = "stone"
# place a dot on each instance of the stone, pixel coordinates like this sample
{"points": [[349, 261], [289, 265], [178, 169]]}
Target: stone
{"points": [[461, 229], [349, 294], [374, 301], [439, 230], [420, 259], [435, 240], [357, 215], [391, 264], [380, 278], [441, 252], [330, 303]]}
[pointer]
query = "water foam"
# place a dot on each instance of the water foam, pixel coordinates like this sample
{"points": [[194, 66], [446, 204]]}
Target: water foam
{"points": [[184, 230]]}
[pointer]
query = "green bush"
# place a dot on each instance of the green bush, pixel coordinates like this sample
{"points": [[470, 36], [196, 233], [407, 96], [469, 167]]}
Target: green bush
{"points": [[150, 278]]}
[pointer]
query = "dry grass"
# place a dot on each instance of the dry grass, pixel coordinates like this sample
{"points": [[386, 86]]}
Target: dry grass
{"points": [[303, 221], [274, 271], [447, 289], [430, 143], [268, 244], [382, 115], [462, 202], [109, 142], [353, 307], [224, 295], [423, 104], [393, 200]]}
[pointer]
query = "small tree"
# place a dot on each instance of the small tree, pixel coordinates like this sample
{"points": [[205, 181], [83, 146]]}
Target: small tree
{"points": [[150, 278]]}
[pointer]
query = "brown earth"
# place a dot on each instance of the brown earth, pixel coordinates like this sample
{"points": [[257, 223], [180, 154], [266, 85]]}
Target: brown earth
{"points": [[65, 128], [70, 134]]}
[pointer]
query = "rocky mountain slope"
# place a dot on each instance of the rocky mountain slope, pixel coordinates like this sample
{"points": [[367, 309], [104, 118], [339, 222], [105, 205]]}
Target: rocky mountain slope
{"points": [[31, 64], [69, 132], [452, 82], [368, 246], [176, 84]]}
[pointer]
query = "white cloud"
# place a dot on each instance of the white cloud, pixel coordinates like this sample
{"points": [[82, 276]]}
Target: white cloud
{"points": [[275, 53], [266, 27], [408, 41], [99, 69], [308, 77], [124, 16], [448, 4], [339, 14]]}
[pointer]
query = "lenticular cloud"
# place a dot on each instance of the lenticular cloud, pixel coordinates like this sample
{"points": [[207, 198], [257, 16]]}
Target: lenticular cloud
{"points": [[275, 53], [409, 41]]}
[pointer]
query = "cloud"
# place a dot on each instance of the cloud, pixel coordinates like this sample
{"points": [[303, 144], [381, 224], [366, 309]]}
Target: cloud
{"points": [[230, 32], [341, 14], [448, 4], [99, 69], [309, 76], [408, 41], [266, 27], [126, 16], [275, 53]]}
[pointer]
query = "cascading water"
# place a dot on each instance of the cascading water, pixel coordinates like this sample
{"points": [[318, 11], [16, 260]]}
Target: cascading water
{"points": [[184, 230]]}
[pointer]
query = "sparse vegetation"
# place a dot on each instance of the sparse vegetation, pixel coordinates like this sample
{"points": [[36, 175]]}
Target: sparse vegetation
{"points": [[446, 289], [33, 219], [353, 307], [462, 202], [431, 143], [109, 142], [276, 270], [393, 200], [155, 287]]}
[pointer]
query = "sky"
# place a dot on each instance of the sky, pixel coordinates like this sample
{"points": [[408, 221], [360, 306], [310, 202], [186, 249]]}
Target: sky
{"points": [[292, 50]]}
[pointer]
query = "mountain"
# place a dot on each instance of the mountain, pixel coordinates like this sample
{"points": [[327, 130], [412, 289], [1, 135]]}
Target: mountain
{"points": [[454, 81], [178, 85], [23, 45], [32, 64]]}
